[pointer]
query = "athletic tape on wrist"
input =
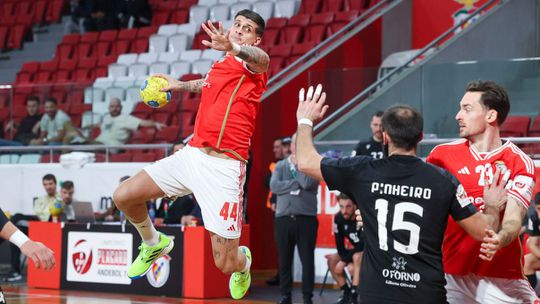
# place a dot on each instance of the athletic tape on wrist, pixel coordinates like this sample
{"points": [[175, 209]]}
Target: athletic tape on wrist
{"points": [[236, 48], [305, 121], [18, 238]]}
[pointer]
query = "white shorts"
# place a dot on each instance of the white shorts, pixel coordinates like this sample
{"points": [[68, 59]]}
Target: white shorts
{"points": [[475, 289], [217, 183]]}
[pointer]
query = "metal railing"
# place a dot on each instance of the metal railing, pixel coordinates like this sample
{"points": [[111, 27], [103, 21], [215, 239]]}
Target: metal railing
{"points": [[375, 86]]}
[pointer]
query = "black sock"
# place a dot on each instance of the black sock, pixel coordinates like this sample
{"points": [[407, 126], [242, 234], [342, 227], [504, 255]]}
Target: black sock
{"points": [[345, 288], [354, 288], [532, 279]]}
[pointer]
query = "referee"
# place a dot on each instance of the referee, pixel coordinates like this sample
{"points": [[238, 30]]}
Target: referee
{"points": [[404, 204], [42, 256]]}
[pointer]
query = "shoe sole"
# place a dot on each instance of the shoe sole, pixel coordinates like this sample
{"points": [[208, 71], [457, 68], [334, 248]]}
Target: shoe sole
{"points": [[165, 251]]}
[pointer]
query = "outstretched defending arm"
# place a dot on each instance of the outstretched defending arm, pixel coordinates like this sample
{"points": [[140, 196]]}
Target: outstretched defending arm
{"points": [[311, 108]]}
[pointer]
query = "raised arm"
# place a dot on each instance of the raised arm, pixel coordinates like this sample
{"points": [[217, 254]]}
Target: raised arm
{"points": [[311, 108], [194, 86], [256, 59]]}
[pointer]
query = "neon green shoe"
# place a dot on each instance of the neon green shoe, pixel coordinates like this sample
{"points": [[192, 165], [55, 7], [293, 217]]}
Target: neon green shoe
{"points": [[147, 256], [240, 281]]}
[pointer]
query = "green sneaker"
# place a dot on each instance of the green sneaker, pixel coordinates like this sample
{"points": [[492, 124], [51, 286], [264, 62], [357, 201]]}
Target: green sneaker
{"points": [[147, 256], [240, 281]]}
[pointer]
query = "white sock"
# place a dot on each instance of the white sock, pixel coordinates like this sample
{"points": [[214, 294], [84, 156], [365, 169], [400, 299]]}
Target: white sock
{"points": [[149, 234], [248, 262]]}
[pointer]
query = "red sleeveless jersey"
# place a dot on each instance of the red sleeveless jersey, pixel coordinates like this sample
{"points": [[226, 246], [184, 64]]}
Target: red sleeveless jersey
{"points": [[230, 100], [460, 251]]}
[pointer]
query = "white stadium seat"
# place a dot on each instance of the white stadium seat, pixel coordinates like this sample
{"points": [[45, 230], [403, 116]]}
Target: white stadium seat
{"points": [[201, 66], [198, 14], [285, 8], [212, 54], [190, 55], [159, 67], [9, 159], [90, 118], [147, 58], [92, 95], [178, 43], [29, 159], [219, 12], [264, 8], [168, 29], [158, 43], [117, 70], [168, 57], [133, 95], [187, 28], [235, 8], [114, 92], [180, 68], [124, 82], [127, 59], [207, 2], [103, 82], [138, 69]]}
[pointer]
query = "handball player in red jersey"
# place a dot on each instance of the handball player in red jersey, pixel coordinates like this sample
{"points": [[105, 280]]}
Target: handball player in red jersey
{"points": [[213, 164], [473, 160]]}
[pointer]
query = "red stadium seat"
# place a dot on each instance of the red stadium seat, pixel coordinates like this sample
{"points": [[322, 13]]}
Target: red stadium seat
{"points": [[143, 157], [299, 50], [71, 39], [160, 17], [120, 158], [109, 35], [534, 130], [40, 7], [342, 19], [333, 6], [4, 33], [186, 4], [91, 37], [54, 11], [168, 134], [46, 158], [16, 37], [180, 16], [127, 34], [283, 50], [139, 46], [359, 5], [515, 126], [145, 32], [162, 117], [144, 135], [310, 7]]}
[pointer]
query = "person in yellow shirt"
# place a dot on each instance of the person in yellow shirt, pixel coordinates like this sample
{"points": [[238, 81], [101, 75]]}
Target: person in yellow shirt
{"points": [[43, 203]]}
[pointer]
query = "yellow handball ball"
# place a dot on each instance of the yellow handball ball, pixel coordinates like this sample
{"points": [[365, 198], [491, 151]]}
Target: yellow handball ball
{"points": [[151, 95], [56, 208]]}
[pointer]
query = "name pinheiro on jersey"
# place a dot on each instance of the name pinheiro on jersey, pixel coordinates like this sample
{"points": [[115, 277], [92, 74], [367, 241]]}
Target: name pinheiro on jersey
{"points": [[398, 273]]}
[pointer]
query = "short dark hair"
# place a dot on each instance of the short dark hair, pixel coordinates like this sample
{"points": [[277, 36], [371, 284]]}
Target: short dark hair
{"points": [[342, 196], [537, 199], [494, 97], [51, 99], [68, 185], [378, 114], [286, 141], [123, 178], [32, 98], [251, 15], [404, 125], [49, 177]]}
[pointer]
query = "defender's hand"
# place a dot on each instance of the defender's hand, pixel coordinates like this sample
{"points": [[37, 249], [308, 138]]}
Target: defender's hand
{"points": [[311, 106]]}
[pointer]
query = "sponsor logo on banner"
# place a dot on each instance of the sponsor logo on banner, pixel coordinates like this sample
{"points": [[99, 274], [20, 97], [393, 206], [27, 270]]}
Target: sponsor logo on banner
{"points": [[82, 257], [159, 271], [99, 257]]}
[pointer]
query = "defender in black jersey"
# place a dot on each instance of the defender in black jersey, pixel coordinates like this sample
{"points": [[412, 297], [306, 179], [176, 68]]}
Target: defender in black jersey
{"points": [[531, 244], [404, 204], [346, 227], [374, 146]]}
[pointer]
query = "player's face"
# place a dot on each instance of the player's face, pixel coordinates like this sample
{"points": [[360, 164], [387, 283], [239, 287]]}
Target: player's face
{"points": [[32, 107], [347, 208], [50, 187], [376, 127], [243, 32], [115, 108], [67, 195], [473, 117], [50, 109], [278, 149]]}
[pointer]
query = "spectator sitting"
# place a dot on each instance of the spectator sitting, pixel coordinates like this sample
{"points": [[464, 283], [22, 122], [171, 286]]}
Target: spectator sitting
{"points": [[28, 129], [52, 124], [133, 13], [115, 128], [80, 12], [67, 188], [101, 15]]}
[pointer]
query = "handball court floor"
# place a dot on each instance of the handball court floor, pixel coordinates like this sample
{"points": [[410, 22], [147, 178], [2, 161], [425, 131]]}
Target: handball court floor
{"points": [[18, 293]]}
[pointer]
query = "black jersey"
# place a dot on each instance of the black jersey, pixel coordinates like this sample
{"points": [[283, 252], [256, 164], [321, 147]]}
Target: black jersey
{"points": [[347, 229], [369, 148], [532, 223], [405, 205]]}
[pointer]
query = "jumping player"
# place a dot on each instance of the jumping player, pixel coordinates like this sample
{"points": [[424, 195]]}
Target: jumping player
{"points": [[473, 160], [404, 203], [213, 164]]}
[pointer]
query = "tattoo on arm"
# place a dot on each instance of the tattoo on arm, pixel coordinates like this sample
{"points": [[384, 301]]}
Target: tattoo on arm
{"points": [[256, 59], [509, 231], [194, 86]]}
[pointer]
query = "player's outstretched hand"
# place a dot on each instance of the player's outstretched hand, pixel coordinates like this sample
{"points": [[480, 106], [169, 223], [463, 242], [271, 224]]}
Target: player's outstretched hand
{"points": [[174, 84], [490, 245], [219, 40], [358, 215], [42, 256], [495, 192], [311, 105]]}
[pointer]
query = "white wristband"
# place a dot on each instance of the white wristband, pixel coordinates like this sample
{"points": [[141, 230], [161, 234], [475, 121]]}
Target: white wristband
{"points": [[18, 238], [305, 121], [236, 49]]}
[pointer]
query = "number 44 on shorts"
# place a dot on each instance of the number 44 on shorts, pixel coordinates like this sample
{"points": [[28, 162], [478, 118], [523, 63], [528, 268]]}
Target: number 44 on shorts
{"points": [[229, 211]]}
